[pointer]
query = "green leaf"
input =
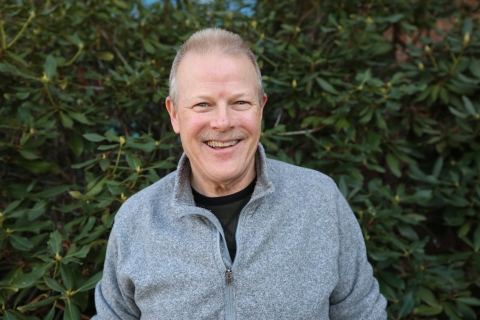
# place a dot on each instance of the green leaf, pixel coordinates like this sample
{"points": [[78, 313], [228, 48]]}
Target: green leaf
{"points": [[428, 297], [93, 137], [91, 282], [463, 231], [9, 316], [326, 86], [451, 311], [428, 310], [55, 242], [86, 163], [97, 188], [67, 122], [148, 47], [469, 300], [73, 255], [457, 113], [71, 311], [41, 303], [54, 285], [104, 164], [50, 66], [12, 206], [52, 192], [111, 136], [76, 144], [28, 279], [20, 243], [381, 48], [88, 226], [332, 20], [469, 106], [475, 67], [28, 154], [35, 227], [79, 117], [393, 164], [395, 18], [437, 168], [76, 194], [406, 305], [50, 314], [68, 277], [476, 238]]}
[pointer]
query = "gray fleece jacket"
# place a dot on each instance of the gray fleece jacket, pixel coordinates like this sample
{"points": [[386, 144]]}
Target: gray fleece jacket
{"points": [[300, 254]]}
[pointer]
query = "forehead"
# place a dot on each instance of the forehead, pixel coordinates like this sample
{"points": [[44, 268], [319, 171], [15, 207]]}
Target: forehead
{"points": [[215, 67]]}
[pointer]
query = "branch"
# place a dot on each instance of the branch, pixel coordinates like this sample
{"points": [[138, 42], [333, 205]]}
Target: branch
{"points": [[292, 133]]}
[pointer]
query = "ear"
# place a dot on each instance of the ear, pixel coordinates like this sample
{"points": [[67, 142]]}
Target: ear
{"points": [[262, 104], [173, 114]]}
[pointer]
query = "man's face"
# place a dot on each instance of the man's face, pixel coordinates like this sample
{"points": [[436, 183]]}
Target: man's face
{"points": [[218, 117]]}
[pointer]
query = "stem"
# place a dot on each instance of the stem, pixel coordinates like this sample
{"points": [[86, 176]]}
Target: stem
{"points": [[56, 269], [50, 95], [456, 61], [134, 182], [291, 133], [79, 52], [4, 39], [433, 60], [30, 18], [118, 159]]}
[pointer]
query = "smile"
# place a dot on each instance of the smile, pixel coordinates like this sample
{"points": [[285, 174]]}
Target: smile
{"points": [[220, 144]]}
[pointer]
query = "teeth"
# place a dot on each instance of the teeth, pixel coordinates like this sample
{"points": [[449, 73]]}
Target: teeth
{"points": [[219, 144]]}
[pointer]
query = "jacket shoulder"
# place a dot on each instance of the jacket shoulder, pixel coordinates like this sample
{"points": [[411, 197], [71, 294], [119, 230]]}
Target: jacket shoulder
{"points": [[291, 176]]}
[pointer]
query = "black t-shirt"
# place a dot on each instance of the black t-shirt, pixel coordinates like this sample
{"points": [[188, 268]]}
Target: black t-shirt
{"points": [[227, 209]]}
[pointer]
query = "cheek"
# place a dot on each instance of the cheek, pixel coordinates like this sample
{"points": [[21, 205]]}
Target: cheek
{"points": [[252, 123], [191, 126]]}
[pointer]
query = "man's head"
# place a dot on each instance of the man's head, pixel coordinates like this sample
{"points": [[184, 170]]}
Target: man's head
{"points": [[215, 104]]}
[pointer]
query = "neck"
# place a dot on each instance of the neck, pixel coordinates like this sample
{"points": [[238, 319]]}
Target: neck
{"points": [[222, 188]]}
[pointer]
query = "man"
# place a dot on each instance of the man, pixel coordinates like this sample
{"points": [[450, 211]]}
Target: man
{"points": [[231, 234]]}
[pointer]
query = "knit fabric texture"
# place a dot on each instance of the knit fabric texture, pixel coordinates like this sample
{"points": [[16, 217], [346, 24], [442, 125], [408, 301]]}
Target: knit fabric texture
{"points": [[300, 254]]}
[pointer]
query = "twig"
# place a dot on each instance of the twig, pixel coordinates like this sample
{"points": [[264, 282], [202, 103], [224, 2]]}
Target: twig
{"points": [[102, 32], [120, 55], [292, 133], [308, 13]]}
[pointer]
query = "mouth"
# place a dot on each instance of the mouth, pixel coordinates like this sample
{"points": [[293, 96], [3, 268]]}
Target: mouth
{"points": [[221, 144]]}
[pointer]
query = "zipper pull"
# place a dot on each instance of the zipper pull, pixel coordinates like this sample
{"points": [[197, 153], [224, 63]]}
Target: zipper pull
{"points": [[229, 277]]}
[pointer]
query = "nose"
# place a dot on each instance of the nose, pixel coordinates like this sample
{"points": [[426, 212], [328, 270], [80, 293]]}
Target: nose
{"points": [[223, 119]]}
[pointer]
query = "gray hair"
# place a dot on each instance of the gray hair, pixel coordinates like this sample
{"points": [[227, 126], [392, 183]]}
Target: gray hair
{"points": [[206, 41]]}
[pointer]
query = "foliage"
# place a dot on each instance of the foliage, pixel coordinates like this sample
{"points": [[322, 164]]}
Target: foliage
{"points": [[380, 95]]}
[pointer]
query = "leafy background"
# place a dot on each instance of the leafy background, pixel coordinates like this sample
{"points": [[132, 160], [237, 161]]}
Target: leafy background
{"points": [[383, 96]]}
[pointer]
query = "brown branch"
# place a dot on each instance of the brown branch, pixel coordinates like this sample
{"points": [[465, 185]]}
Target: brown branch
{"points": [[291, 133], [308, 13]]}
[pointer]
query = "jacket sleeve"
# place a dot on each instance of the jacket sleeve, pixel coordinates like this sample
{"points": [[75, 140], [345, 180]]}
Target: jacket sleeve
{"points": [[357, 295], [114, 295]]}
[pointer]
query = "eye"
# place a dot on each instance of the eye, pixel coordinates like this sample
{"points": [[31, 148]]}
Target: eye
{"points": [[201, 104], [241, 102]]}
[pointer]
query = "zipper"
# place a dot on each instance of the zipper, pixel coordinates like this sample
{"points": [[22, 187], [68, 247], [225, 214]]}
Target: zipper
{"points": [[229, 272], [228, 277], [229, 280]]}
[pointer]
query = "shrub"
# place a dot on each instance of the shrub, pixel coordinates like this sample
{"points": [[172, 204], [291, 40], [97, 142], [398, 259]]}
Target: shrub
{"points": [[382, 96]]}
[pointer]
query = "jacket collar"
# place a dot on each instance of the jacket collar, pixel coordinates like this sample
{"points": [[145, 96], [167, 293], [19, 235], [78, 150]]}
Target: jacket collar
{"points": [[182, 192]]}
